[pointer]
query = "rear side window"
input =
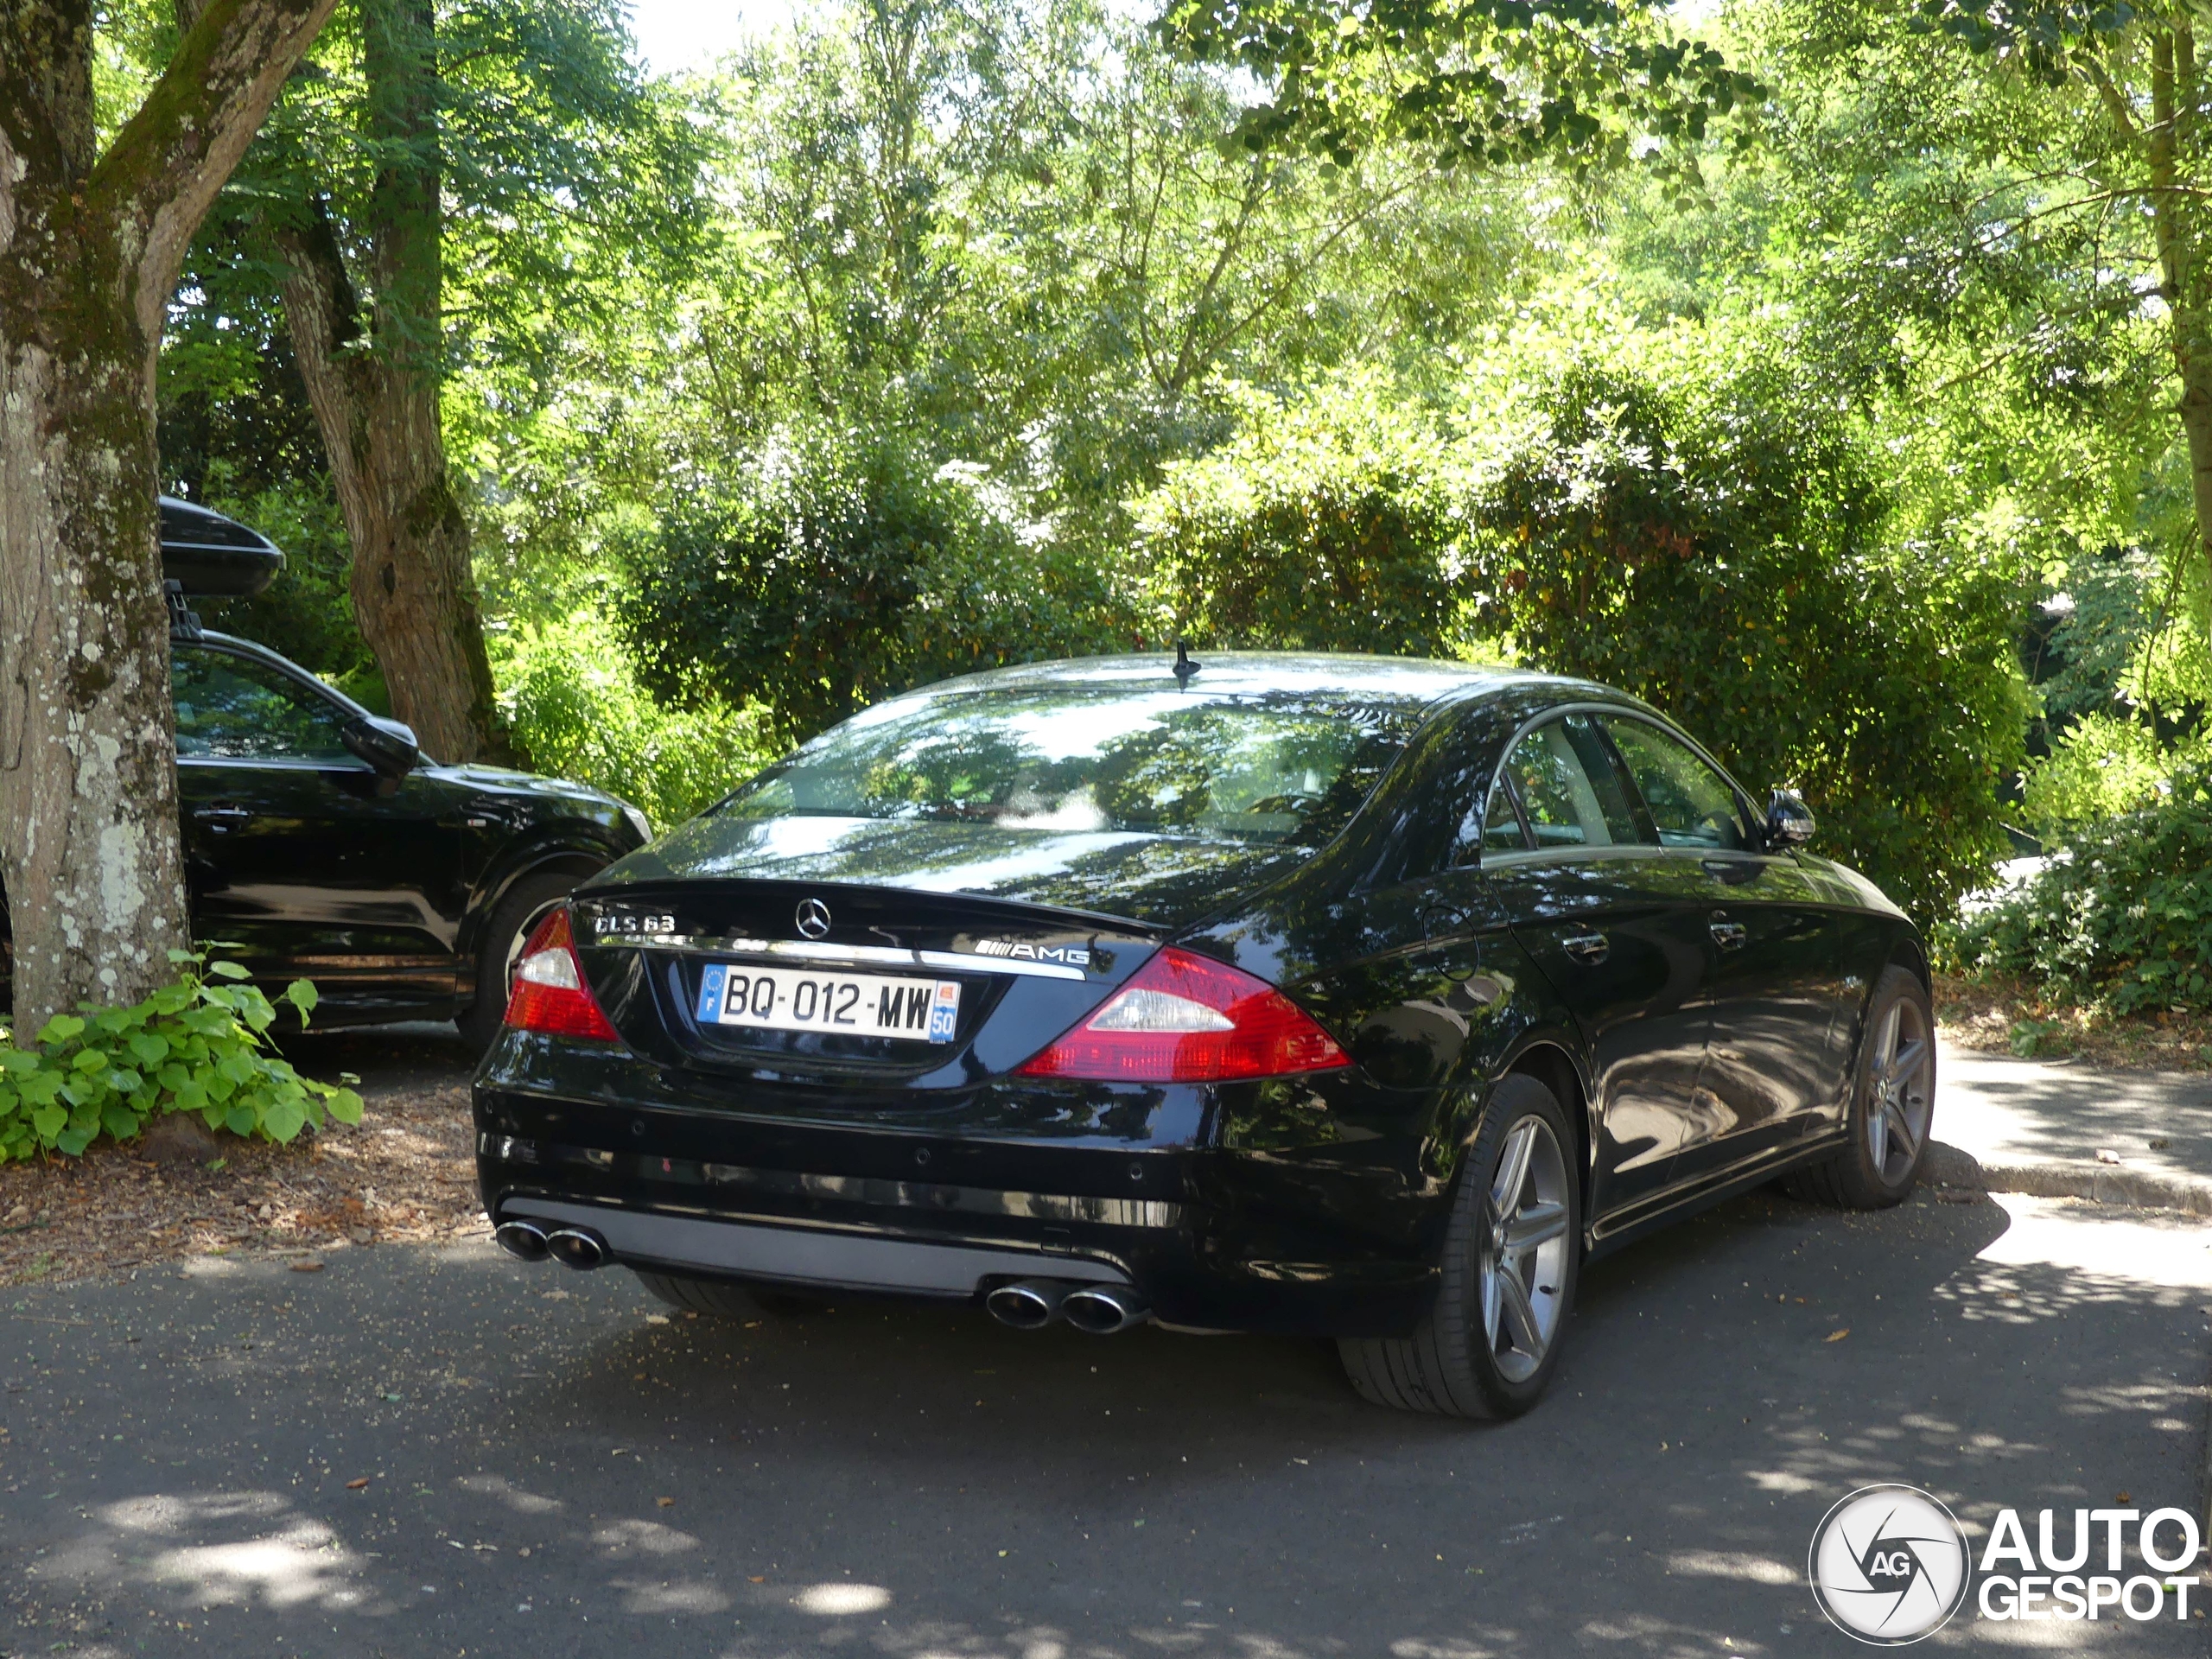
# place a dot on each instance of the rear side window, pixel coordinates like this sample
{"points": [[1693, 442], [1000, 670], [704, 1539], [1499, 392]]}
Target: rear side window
{"points": [[1570, 792], [233, 709], [1691, 803]]}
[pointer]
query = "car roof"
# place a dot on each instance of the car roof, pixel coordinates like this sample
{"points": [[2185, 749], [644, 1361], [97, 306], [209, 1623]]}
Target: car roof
{"points": [[1414, 680]]}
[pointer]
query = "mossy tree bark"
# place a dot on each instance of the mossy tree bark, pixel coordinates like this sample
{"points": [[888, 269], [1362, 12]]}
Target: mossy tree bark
{"points": [[376, 399], [90, 248]]}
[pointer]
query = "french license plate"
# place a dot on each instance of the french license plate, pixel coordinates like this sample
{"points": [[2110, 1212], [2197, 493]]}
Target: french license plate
{"points": [[858, 1005]]}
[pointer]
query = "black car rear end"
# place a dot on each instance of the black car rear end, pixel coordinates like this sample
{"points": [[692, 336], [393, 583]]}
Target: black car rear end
{"points": [[1081, 1116]]}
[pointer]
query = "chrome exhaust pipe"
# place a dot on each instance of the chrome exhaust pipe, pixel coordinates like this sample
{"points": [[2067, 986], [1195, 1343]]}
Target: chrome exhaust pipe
{"points": [[522, 1240], [578, 1247], [1102, 1310], [1027, 1304]]}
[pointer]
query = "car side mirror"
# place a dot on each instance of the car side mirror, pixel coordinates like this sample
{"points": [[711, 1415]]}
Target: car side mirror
{"points": [[386, 745], [1788, 822]]}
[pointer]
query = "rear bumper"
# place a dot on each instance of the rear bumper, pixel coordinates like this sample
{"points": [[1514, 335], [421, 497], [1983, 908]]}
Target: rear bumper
{"points": [[1212, 1237], [811, 1257]]}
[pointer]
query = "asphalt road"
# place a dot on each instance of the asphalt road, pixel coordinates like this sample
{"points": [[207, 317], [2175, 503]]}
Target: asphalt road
{"points": [[178, 1451]]}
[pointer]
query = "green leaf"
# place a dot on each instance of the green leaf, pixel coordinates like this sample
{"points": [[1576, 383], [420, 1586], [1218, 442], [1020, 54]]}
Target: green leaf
{"points": [[302, 996], [228, 970], [346, 1106], [119, 1121], [49, 1122], [91, 1059], [240, 1119], [284, 1121], [238, 1067], [74, 1141], [180, 957], [191, 1097], [150, 1047], [213, 1117], [61, 1028]]}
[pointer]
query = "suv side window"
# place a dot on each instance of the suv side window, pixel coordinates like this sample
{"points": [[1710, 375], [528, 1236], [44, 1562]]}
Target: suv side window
{"points": [[1569, 791], [1691, 803], [232, 708]]}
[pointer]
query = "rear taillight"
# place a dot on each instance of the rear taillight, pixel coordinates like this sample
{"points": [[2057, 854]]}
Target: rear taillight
{"points": [[550, 995], [1187, 1018]]}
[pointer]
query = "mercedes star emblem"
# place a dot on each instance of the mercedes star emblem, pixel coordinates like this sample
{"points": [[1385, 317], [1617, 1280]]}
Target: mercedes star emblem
{"points": [[813, 918]]}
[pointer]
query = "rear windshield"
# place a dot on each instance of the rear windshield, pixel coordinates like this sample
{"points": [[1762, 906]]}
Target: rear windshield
{"points": [[1289, 767]]}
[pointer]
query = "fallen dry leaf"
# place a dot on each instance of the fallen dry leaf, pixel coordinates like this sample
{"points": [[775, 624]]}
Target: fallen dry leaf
{"points": [[665, 1502], [307, 1266], [763, 1579], [1837, 1336], [356, 1485]]}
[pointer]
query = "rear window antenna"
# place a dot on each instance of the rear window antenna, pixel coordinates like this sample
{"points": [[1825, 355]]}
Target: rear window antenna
{"points": [[1185, 668]]}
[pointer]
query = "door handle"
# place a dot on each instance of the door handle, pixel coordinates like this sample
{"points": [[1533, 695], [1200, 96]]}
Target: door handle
{"points": [[1590, 948], [1729, 935]]}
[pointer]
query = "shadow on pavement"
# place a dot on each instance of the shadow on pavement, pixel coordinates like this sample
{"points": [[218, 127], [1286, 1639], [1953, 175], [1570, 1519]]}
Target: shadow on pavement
{"points": [[919, 1481]]}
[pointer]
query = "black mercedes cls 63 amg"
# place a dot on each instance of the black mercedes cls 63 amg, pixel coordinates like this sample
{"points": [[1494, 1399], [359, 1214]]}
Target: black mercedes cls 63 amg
{"points": [[1345, 995]]}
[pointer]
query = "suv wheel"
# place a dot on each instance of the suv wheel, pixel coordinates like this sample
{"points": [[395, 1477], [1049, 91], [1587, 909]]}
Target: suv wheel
{"points": [[505, 935]]}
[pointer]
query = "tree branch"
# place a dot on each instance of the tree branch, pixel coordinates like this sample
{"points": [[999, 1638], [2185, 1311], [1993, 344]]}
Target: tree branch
{"points": [[159, 177]]}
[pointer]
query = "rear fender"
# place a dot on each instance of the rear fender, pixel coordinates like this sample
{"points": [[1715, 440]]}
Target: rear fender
{"points": [[515, 864]]}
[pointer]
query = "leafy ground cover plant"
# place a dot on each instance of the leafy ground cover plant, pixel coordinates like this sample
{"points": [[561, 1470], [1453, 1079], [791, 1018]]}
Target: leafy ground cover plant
{"points": [[199, 1045], [2121, 920]]}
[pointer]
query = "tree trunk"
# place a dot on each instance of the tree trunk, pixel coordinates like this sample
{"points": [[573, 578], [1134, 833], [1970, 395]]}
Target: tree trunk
{"points": [[377, 403], [89, 254], [2185, 285]]}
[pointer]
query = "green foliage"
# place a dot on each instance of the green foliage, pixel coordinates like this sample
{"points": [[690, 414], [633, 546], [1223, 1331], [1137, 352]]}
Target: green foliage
{"points": [[1324, 525], [568, 694], [198, 1046], [1688, 518], [844, 569], [2098, 769], [1479, 84], [2121, 920]]}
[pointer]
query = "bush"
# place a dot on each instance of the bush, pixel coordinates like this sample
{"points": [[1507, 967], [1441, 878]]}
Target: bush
{"points": [[569, 697], [199, 1045], [2121, 920], [843, 567], [1698, 526], [1324, 525]]}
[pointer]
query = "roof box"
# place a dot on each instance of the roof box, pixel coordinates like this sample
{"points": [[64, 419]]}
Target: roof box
{"points": [[214, 557]]}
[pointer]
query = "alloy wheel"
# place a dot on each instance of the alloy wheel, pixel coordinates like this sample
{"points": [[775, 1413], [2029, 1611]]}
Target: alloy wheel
{"points": [[1524, 1249], [1900, 1090]]}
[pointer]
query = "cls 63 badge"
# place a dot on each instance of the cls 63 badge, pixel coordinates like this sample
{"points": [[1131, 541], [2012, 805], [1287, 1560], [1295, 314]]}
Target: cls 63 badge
{"points": [[603, 926]]}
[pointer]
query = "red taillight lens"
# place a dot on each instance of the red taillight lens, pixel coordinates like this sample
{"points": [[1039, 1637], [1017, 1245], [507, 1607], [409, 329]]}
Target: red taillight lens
{"points": [[550, 995], [1187, 1018]]}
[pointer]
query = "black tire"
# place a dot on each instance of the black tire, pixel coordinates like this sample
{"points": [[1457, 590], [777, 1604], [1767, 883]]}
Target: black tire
{"points": [[1463, 1361], [505, 935], [724, 1301], [1893, 1110]]}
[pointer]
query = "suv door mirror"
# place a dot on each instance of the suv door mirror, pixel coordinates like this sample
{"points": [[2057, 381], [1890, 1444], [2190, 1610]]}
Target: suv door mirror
{"points": [[1788, 822], [384, 744]]}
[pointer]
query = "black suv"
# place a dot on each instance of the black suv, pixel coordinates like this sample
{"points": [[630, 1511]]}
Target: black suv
{"points": [[319, 841]]}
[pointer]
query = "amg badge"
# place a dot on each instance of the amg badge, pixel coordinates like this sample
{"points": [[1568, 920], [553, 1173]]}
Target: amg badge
{"points": [[1075, 956]]}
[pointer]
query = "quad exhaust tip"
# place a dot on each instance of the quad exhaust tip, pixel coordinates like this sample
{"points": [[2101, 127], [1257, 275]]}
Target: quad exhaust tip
{"points": [[1027, 1304], [522, 1240], [578, 1247], [1101, 1310]]}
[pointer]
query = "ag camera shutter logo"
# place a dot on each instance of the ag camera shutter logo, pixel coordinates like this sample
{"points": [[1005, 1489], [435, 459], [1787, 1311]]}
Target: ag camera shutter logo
{"points": [[1889, 1566]]}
